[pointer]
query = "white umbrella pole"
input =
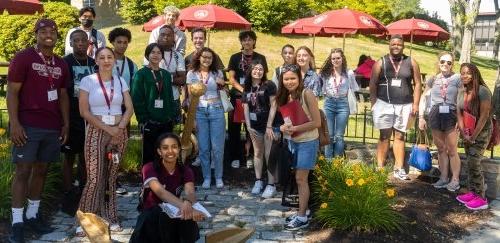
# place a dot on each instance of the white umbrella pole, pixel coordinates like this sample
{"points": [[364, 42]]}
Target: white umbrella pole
{"points": [[314, 40], [343, 43], [411, 41], [208, 37]]}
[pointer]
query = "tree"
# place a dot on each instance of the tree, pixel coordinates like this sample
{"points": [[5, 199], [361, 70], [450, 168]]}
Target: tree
{"points": [[457, 18], [137, 11], [402, 9], [497, 31], [464, 14], [271, 15]]}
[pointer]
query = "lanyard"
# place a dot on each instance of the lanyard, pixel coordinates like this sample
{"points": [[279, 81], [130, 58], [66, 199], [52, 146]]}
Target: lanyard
{"points": [[336, 86], [253, 95], [205, 80], [444, 87], [245, 61], [49, 67], [89, 68], [169, 61], [123, 67], [110, 98], [159, 83], [396, 68]]}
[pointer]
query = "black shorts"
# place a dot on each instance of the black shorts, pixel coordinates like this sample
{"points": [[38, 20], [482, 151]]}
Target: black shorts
{"points": [[75, 142], [442, 121]]}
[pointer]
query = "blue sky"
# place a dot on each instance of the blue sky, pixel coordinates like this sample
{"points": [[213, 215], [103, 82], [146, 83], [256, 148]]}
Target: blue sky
{"points": [[442, 7]]}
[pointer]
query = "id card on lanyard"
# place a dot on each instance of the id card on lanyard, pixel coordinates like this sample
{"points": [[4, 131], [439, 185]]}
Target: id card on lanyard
{"points": [[107, 119], [396, 82], [159, 88], [444, 89], [49, 71]]}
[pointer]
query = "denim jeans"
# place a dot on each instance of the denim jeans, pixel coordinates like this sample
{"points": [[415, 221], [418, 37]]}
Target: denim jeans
{"points": [[211, 130], [337, 114]]}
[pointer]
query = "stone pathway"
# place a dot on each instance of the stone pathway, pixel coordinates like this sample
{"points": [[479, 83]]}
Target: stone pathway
{"points": [[230, 207], [487, 231]]}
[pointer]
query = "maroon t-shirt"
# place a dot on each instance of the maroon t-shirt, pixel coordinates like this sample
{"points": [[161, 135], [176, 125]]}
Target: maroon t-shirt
{"points": [[35, 109], [171, 183]]}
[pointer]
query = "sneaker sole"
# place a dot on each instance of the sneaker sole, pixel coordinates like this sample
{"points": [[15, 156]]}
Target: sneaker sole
{"points": [[297, 228], [478, 208], [439, 186], [453, 189]]}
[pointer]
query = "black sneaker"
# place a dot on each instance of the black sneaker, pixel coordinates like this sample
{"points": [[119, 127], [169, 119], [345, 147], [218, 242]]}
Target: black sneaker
{"points": [[37, 226], [17, 234], [296, 224], [291, 217]]}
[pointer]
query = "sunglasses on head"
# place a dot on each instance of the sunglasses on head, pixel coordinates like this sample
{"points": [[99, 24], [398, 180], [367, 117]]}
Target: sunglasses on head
{"points": [[444, 61], [290, 67]]}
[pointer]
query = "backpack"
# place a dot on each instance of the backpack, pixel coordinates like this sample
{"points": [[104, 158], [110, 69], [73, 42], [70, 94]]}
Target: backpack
{"points": [[130, 69]]}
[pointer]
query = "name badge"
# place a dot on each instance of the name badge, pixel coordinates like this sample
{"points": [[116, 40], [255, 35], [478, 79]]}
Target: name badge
{"points": [[444, 109], [396, 82], [108, 119], [52, 95], [253, 116], [242, 80], [159, 103]]}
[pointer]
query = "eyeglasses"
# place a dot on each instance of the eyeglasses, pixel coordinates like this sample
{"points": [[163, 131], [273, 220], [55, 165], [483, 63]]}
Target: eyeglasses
{"points": [[444, 61], [290, 67]]}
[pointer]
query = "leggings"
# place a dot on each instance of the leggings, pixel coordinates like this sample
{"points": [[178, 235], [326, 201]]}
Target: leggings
{"points": [[98, 196]]}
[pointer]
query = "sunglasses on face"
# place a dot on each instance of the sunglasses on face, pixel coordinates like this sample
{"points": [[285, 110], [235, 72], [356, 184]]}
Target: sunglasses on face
{"points": [[444, 61]]}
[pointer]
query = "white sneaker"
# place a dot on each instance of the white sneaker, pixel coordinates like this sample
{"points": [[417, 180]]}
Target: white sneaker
{"points": [[269, 191], [401, 174], [197, 162], [206, 184], [235, 164], [249, 163], [257, 187], [219, 183]]}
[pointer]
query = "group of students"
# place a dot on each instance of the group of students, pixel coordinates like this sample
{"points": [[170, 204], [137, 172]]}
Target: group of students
{"points": [[86, 105]]}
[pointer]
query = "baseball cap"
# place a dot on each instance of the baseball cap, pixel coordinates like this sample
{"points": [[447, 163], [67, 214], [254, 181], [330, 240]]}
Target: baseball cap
{"points": [[41, 23]]}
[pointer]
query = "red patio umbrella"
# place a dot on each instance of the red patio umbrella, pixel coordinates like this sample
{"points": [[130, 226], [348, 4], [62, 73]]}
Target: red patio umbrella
{"points": [[213, 17], [418, 30], [295, 27], [153, 23], [21, 6], [344, 21]]}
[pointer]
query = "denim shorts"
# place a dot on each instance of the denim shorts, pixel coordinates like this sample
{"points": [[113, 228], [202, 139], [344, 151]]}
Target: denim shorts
{"points": [[42, 145], [304, 153]]}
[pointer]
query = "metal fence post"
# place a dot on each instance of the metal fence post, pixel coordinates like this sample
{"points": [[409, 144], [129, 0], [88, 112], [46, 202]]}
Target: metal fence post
{"points": [[364, 126]]}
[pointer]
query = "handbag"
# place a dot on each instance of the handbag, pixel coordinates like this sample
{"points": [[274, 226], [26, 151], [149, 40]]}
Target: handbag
{"points": [[324, 136], [226, 102], [495, 134], [420, 156], [353, 103]]}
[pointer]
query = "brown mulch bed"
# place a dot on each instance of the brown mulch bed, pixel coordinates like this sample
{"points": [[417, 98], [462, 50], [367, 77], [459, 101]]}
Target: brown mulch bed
{"points": [[429, 215]]}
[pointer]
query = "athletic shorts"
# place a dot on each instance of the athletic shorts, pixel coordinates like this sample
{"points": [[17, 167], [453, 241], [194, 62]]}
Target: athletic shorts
{"points": [[304, 154], [442, 121], [42, 145], [387, 115]]}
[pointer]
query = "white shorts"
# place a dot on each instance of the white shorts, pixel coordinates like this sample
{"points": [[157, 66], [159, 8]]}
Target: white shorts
{"points": [[387, 115]]}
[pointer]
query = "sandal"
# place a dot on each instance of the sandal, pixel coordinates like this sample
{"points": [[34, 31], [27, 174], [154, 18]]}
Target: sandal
{"points": [[115, 228], [79, 232]]}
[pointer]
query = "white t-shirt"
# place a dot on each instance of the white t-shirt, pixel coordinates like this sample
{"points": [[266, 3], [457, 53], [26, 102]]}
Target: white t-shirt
{"points": [[212, 92], [97, 102]]}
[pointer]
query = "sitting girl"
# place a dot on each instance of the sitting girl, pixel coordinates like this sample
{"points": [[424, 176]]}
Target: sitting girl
{"points": [[164, 179]]}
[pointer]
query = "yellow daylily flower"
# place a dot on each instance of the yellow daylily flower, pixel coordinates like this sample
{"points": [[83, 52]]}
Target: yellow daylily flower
{"points": [[361, 182], [324, 205], [2, 131], [349, 182], [390, 192]]}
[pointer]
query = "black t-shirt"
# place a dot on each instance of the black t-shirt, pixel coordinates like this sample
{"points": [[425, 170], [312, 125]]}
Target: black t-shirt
{"points": [[78, 69], [259, 104], [238, 63]]}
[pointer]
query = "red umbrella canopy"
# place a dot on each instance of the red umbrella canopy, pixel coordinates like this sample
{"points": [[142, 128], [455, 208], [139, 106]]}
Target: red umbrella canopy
{"points": [[344, 21], [153, 23], [422, 30], [21, 6], [212, 16], [295, 27]]}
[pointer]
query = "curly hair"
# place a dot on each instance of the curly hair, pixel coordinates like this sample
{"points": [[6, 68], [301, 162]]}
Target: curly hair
{"points": [[195, 65], [473, 86], [113, 34]]}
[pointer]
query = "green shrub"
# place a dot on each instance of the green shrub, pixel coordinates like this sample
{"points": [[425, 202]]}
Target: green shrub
{"points": [[271, 15], [17, 30], [132, 160], [354, 196], [137, 11]]}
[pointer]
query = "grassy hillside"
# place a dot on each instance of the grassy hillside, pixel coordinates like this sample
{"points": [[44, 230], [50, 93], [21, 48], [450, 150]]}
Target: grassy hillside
{"points": [[226, 43]]}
